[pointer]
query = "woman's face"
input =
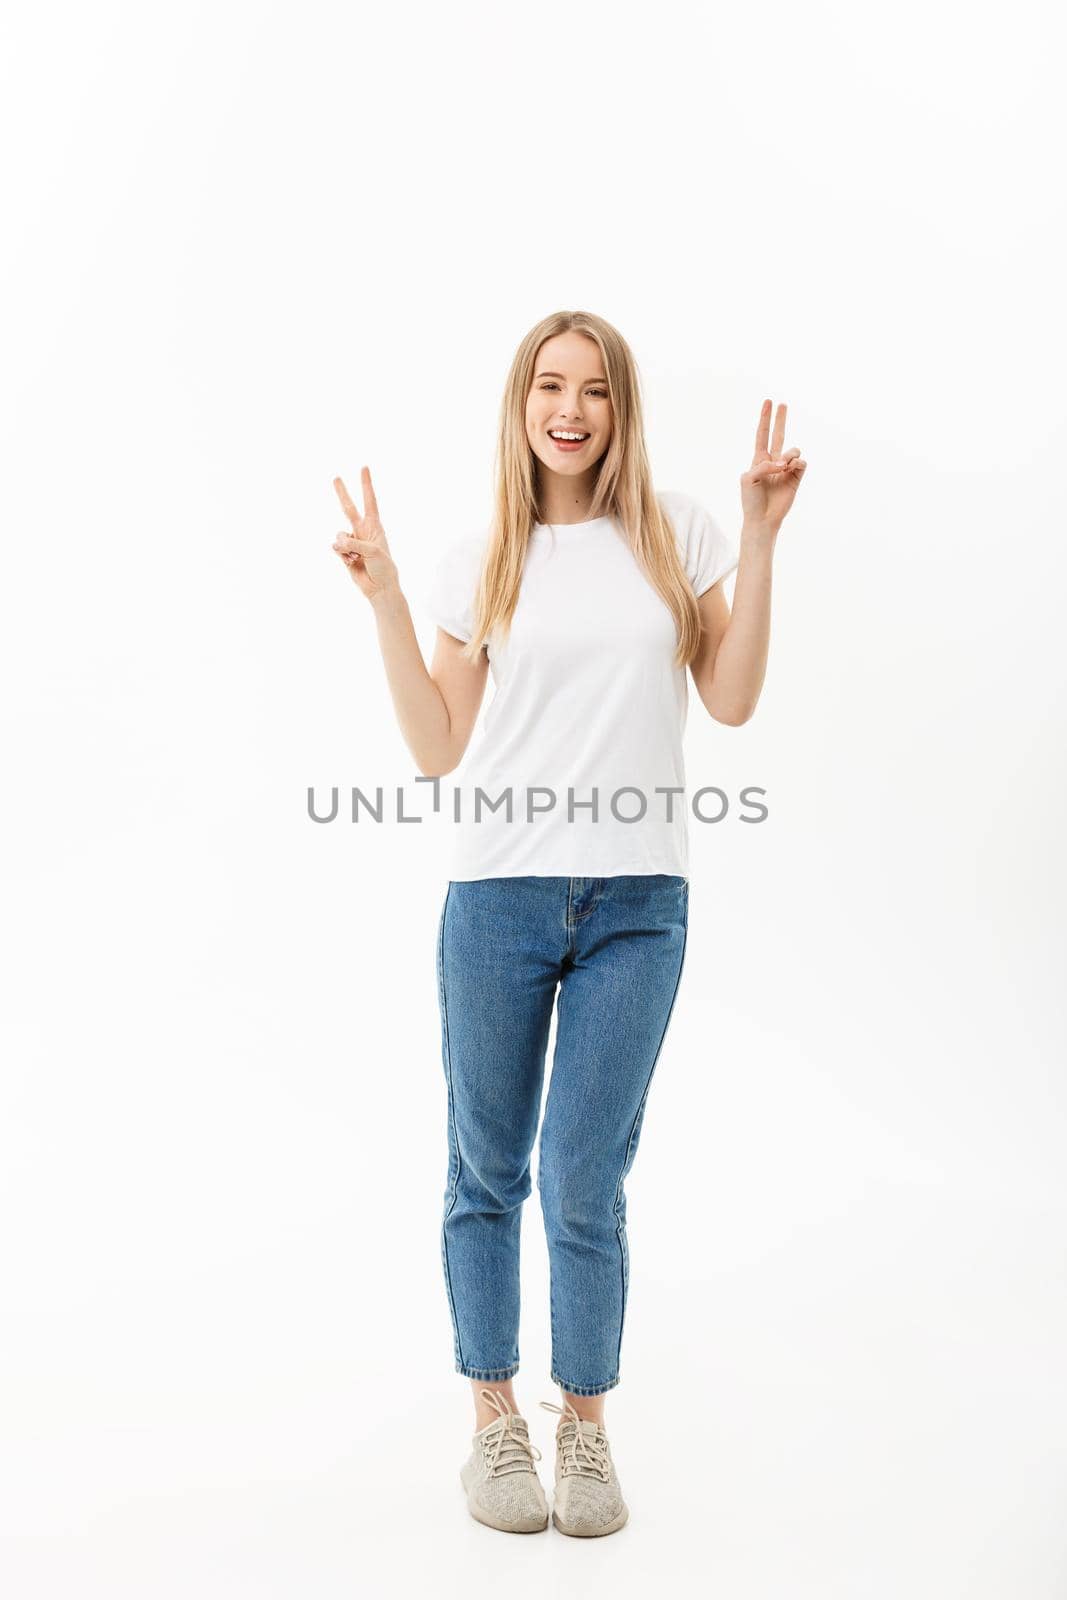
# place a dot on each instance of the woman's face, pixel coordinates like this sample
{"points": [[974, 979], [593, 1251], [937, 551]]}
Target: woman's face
{"points": [[569, 394]]}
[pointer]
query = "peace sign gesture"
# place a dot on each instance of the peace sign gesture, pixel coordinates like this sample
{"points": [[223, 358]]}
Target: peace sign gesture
{"points": [[365, 550], [771, 482]]}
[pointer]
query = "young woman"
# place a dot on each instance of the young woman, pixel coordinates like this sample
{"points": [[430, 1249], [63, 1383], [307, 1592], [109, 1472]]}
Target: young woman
{"points": [[587, 598]]}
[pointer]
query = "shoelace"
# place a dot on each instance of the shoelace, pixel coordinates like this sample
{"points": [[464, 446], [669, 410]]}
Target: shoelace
{"points": [[506, 1447], [588, 1457]]}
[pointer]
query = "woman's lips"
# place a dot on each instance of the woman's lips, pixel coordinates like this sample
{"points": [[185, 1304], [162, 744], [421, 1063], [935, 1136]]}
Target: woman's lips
{"points": [[570, 444]]}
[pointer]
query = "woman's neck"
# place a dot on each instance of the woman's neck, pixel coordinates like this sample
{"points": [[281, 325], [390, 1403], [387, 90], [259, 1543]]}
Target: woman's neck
{"points": [[565, 499]]}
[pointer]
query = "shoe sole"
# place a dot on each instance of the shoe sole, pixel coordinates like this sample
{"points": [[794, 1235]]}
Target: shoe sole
{"points": [[593, 1533]]}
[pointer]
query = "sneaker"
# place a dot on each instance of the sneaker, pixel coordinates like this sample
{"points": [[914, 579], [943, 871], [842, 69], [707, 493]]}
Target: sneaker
{"points": [[503, 1489], [588, 1500]]}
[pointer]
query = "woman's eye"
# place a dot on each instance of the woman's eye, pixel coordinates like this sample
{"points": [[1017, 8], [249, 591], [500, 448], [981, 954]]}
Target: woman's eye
{"points": [[601, 394]]}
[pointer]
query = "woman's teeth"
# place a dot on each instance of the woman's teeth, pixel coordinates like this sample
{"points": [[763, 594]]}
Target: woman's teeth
{"points": [[564, 439]]}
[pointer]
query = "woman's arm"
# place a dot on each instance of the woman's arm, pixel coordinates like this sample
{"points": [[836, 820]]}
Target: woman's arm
{"points": [[436, 711], [730, 666], [731, 663]]}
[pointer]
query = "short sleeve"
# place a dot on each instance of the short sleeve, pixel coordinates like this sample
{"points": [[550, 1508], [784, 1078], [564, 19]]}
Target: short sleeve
{"points": [[708, 553], [451, 593]]}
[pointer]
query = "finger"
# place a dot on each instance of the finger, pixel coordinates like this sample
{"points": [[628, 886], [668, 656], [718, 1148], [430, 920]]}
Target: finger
{"points": [[354, 546], [347, 502], [779, 431], [368, 494], [762, 428]]}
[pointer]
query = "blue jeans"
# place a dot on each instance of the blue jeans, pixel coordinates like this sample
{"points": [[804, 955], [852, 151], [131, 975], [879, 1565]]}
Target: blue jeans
{"points": [[614, 948]]}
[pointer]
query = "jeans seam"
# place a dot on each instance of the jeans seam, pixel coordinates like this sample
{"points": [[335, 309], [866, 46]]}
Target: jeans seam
{"points": [[637, 1119], [584, 1388], [540, 1188], [487, 1374], [598, 891], [452, 1118]]}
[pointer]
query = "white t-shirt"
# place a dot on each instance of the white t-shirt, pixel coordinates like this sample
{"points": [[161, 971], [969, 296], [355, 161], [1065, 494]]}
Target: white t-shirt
{"points": [[587, 702]]}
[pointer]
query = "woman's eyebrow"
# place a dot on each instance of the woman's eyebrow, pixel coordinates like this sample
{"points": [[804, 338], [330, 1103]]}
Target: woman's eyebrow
{"points": [[560, 375]]}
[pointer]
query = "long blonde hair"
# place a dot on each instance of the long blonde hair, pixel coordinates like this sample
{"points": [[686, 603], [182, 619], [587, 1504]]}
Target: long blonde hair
{"points": [[623, 489]]}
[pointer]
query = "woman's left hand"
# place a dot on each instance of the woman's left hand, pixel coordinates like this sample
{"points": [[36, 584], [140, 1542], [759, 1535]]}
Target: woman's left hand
{"points": [[769, 486]]}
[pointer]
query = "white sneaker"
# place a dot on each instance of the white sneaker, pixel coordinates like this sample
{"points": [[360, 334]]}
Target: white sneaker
{"points": [[503, 1489], [588, 1500]]}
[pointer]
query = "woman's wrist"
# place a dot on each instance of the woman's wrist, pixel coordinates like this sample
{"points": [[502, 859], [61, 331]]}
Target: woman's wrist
{"points": [[762, 533], [389, 602]]}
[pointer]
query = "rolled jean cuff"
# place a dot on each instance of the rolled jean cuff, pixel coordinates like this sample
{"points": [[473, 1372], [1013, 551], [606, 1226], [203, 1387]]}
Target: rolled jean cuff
{"points": [[585, 1388], [488, 1374]]}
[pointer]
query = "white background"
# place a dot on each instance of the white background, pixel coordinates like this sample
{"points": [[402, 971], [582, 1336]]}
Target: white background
{"points": [[249, 248]]}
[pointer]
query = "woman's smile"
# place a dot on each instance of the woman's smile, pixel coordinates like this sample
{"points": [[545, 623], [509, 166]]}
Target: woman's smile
{"points": [[564, 439]]}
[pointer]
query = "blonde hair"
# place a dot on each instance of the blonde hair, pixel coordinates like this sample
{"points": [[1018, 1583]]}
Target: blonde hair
{"points": [[623, 489]]}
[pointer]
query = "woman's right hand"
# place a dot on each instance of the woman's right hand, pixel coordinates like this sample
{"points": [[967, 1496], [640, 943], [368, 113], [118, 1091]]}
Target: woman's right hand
{"points": [[365, 549]]}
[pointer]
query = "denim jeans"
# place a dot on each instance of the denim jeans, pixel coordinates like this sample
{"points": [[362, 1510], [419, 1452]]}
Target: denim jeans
{"points": [[614, 949]]}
